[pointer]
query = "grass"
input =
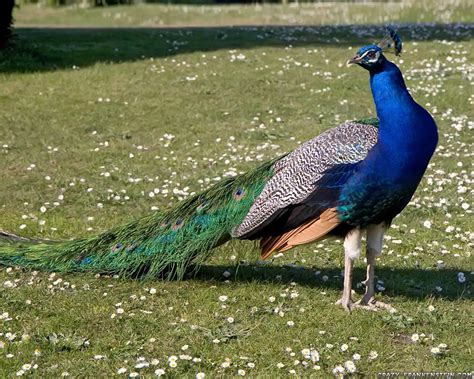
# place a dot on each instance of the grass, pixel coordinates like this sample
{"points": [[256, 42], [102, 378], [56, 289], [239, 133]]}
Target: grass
{"points": [[85, 111], [317, 13]]}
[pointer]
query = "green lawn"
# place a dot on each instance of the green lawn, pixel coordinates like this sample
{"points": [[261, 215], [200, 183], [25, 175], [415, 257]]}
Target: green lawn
{"points": [[93, 120], [319, 13]]}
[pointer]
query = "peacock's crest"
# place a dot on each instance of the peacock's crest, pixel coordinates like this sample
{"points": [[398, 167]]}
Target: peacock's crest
{"points": [[392, 39]]}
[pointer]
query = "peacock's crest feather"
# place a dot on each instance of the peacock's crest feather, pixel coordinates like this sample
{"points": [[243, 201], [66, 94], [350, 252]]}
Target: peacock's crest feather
{"points": [[392, 39]]}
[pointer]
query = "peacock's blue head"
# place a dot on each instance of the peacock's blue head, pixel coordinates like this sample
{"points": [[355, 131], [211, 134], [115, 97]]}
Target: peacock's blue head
{"points": [[368, 57], [371, 56]]}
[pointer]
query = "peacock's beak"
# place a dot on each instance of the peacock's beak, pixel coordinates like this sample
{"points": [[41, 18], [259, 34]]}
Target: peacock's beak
{"points": [[356, 60]]}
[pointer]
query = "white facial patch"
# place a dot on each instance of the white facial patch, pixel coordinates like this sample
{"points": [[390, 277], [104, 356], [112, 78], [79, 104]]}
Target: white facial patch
{"points": [[372, 60]]}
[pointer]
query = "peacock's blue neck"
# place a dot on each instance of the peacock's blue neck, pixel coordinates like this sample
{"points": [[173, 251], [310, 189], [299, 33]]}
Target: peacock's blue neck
{"points": [[387, 178], [408, 134], [390, 94]]}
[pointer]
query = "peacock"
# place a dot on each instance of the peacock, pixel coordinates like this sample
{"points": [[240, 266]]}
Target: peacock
{"points": [[348, 181]]}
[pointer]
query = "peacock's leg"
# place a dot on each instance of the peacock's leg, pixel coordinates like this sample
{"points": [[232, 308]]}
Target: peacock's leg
{"points": [[375, 235], [351, 252]]}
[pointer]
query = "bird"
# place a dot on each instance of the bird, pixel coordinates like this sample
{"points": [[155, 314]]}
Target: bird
{"points": [[349, 181]]}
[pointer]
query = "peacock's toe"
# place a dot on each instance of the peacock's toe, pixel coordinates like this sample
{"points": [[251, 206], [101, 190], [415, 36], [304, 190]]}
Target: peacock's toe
{"points": [[373, 305], [346, 304]]}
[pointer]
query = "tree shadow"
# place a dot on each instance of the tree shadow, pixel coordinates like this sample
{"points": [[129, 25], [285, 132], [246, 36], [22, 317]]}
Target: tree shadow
{"points": [[410, 282], [48, 49]]}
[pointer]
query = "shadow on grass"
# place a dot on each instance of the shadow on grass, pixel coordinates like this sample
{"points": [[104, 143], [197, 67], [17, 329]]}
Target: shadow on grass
{"points": [[46, 49], [411, 283]]}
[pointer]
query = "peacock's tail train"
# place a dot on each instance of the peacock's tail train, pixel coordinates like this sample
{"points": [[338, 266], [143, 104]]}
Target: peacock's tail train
{"points": [[163, 244]]}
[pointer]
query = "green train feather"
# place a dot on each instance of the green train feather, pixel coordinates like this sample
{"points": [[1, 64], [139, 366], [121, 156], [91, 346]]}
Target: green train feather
{"points": [[162, 244]]}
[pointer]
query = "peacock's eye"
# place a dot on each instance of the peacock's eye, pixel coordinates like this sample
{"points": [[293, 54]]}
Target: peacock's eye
{"points": [[371, 54]]}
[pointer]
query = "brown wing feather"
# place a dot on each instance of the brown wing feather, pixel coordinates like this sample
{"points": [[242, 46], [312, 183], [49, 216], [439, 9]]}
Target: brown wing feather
{"points": [[269, 245], [311, 231]]}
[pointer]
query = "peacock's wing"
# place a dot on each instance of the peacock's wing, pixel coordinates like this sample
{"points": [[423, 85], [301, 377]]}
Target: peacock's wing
{"points": [[305, 185]]}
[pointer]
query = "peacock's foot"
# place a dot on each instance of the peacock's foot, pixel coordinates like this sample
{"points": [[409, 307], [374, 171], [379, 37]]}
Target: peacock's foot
{"points": [[346, 303], [373, 305]]}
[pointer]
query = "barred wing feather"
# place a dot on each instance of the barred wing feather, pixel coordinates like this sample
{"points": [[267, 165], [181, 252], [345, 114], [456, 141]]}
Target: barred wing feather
{"points": [[296, 175]]}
